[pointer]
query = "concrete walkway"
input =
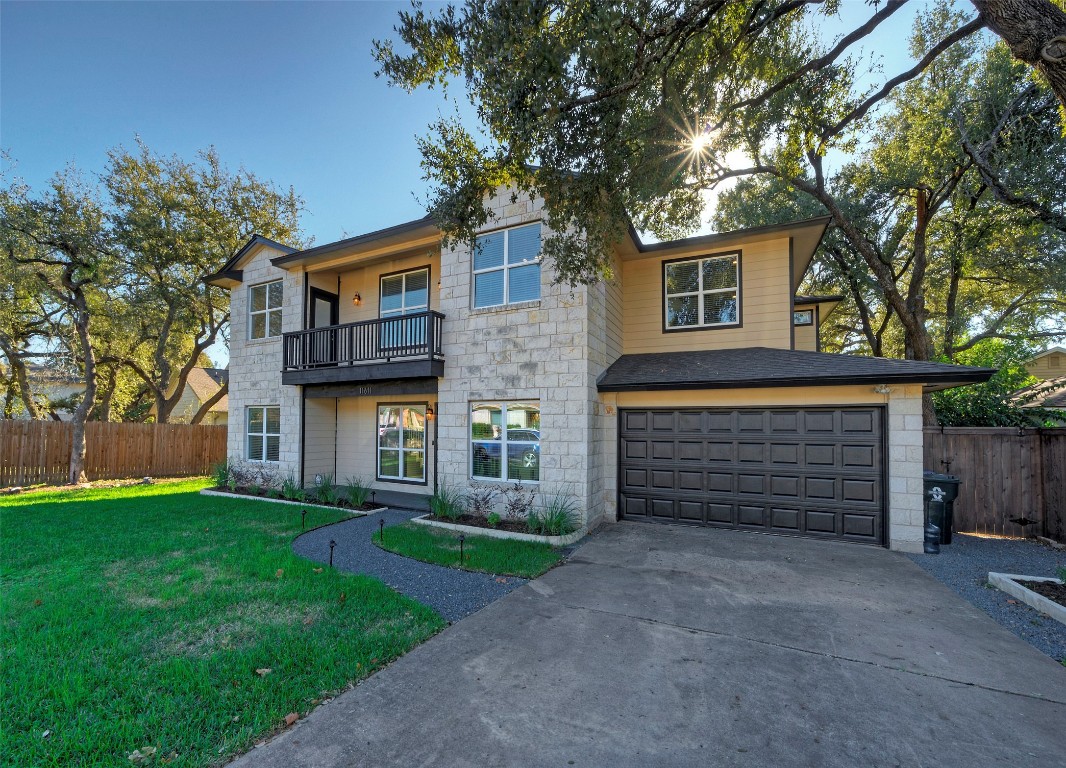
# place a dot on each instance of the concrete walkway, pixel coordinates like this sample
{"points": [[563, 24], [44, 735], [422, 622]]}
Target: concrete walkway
{"points": [[673, 646], [450, 592]]}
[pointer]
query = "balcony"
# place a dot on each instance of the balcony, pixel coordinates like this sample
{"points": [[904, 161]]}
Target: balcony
{"points": [[406, 347]]}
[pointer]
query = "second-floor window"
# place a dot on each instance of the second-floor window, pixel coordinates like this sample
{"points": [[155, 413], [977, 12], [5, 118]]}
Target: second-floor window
{"points": [[703, 292], [507, 266], [264, 313]]}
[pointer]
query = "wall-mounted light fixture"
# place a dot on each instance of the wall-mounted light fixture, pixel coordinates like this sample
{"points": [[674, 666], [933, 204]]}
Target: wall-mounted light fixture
{"points": [[430, 414], [883, 389], [357, 299]]}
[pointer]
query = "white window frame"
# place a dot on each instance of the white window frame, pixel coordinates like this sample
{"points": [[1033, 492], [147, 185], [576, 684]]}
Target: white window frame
{"points": [[700, 293], [248, 434], [404, 309], [266, 312], [420, 408], [506, 267], [503, 441]]}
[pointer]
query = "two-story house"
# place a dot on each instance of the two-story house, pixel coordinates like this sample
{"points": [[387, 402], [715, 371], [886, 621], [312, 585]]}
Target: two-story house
{"points": [[689, 388]]}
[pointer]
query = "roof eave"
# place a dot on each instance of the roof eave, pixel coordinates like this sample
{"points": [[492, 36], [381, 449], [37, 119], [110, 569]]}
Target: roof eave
{"points": [[302, 257], [929, 381]]}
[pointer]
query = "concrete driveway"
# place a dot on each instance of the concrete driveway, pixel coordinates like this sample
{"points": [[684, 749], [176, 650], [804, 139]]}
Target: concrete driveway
{"points": [[675, 646]]}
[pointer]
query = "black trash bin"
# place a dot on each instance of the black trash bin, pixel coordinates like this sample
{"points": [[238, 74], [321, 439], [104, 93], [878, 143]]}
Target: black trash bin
{"points": [[940, 494]]}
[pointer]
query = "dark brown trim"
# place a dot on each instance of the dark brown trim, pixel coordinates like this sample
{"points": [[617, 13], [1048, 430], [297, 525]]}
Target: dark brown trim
{"points": [[377, 451], [804, 300], [805, 381], [791, 294], [353, 374], [303, 434], [334, 299], [712, 240], [817, 328], [429, 283], [401, 387], [398, 229], [740, 290]]}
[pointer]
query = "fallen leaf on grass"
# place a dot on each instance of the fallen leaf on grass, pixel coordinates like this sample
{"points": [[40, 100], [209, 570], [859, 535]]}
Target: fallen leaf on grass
{"points": [[236, 718], [142, 755], [501, 581], [342, 598], [317, 570], [309, 621], [291, 718], [263, 671], [46, 734], [280, 573], [169, 758], [38, 601]]}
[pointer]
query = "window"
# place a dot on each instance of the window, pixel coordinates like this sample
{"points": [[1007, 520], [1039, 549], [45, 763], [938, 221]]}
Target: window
{"points": [[702, 292], [264, 314], [402, 443], [505, 441], [263, 427], [507, 266], [404, 294], [803, 317]]}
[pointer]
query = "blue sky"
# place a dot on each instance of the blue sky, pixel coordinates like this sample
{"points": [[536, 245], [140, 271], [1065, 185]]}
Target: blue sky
{"points": [[285, 89]]}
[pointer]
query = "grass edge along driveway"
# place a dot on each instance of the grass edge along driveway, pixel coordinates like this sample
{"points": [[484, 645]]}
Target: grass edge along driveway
{"points": [[503, 557], [148, 616]]}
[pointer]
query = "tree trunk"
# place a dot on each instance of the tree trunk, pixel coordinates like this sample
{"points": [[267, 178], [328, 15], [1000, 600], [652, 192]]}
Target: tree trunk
{"points": [[1035, 32], [81, 324], [204, 409], [19, 375]]}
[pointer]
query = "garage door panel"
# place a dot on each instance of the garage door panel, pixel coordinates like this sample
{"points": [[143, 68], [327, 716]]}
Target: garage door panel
{"points": [[806, 471]]}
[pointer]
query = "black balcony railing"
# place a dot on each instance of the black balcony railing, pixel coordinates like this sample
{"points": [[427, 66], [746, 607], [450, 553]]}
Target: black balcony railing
{"points": [[385, 340]]}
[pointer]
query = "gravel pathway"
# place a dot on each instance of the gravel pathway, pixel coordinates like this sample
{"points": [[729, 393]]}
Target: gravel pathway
{"points": [[964, 566], [449, 591]]}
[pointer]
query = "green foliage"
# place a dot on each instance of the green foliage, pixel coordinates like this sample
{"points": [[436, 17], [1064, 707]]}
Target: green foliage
{"points": [[154, 592], [994, 404], [327, 492], [493, 519], [358, 491], [558, 517], [291, 490], [220, 473], [504, 557], [446, 502]]}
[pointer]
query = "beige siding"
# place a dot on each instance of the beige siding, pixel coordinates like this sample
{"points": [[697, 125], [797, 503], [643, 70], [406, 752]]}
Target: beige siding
{"points": [[320, 438], [764, 299], [357, 441], [366, 281], [807, 338], [1048, 367], [612, 312]]}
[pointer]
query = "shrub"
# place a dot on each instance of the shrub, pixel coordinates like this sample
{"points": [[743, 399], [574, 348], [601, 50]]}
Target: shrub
{"points": [[480, 498], [358, 491], [493, 519], [291, 489], [518, 502], [446, 503], [327, 492], [221, 474], [558, 517], [254, 489]]}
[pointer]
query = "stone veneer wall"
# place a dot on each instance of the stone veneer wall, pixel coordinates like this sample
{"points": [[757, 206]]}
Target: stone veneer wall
{"points": [[906, 491], [536, 350], [255, 364]]}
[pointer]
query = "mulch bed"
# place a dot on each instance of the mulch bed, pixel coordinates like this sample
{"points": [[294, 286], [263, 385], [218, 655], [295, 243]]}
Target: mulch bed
{"points": [[515, 526], [1049, 589]]}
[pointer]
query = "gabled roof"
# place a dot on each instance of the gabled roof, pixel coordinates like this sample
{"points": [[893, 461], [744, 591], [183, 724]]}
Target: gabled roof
{"points": [[230, 275], [766, 367], [1045, 394], [205, 382], [1046, 352]]}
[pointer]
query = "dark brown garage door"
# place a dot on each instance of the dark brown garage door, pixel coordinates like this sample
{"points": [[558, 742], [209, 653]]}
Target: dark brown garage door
{"points": [[803, 471]]}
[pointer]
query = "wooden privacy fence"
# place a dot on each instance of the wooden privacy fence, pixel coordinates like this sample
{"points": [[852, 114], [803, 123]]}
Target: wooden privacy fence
{"points": [[1005, 474], [39, 451]]}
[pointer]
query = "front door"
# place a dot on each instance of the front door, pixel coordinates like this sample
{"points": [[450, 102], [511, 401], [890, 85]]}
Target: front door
{"points": [[325, 312]]}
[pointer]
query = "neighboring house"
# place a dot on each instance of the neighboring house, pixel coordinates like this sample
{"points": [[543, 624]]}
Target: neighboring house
{"points": [[53, 391], [688, 388], [1049, 364], [201, 385]]}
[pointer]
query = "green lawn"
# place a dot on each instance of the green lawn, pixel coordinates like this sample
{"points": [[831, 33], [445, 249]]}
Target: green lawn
{"points": [[139, 616], [505, 557]]}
